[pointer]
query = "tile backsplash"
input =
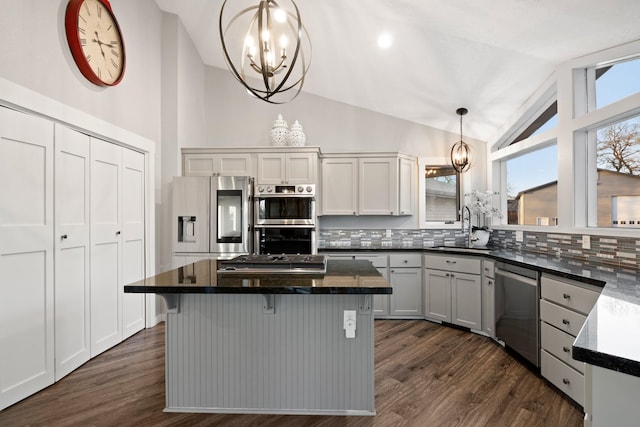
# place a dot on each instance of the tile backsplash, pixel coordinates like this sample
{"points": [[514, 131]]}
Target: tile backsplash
{"points": [[615, 252]]}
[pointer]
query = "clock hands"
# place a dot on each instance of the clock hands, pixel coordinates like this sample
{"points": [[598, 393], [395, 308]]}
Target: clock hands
{"points": [[101, 43]]}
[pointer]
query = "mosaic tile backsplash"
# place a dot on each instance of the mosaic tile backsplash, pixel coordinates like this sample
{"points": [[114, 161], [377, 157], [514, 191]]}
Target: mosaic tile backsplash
{"points": [[616, 252]]}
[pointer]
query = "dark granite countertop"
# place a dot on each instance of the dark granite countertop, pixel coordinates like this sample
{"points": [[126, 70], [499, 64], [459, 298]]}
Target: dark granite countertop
{"points": [[610, 338], [341, 277]]}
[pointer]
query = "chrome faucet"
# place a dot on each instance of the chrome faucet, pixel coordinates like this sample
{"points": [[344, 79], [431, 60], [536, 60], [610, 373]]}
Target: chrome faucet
{"points": [[469, 239]]}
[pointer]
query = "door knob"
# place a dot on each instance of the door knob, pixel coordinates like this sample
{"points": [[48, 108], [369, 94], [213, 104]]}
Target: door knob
{"points": [[117, 233], [64, 236]]}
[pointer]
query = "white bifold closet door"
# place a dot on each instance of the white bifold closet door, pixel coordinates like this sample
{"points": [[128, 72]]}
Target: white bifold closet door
{"points": [[72, 250], [26, 255], [117, 243]]}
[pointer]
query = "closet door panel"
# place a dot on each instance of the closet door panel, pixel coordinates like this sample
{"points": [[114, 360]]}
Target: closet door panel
{"points": [[106, 330], [72, 231], [26, 255], [133, 261]]}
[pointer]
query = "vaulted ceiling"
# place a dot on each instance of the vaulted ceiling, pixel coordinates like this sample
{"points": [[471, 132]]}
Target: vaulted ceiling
{"points": [[486, 55]]}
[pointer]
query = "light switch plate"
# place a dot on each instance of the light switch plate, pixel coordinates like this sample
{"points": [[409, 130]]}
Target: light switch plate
{"points": [[586, 241], [519, 235]]}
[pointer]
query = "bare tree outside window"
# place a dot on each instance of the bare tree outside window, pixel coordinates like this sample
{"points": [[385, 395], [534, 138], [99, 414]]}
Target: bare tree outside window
{"points": [[619, 147]]}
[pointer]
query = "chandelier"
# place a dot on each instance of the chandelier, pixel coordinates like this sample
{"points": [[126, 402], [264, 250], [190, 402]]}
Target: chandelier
{"points": [[461, 152], [263, 48]]}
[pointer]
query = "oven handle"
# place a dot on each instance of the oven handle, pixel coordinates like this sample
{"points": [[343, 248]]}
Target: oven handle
{"points": [[514, 276]]}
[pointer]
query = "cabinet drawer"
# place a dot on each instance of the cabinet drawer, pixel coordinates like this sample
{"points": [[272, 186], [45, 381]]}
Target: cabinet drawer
{"points": [[567, 379], [568, 295], [405, 260], [453, 263], [378, 261], [559, 344], [562, 318]]}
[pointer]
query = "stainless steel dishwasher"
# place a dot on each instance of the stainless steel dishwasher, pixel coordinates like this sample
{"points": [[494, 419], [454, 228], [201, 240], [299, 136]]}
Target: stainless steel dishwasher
{"points": [[517, 310]]}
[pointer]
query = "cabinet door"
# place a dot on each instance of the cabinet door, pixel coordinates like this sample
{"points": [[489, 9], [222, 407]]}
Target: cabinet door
{"points": [[271, 168], [381, 302], [407, 187], [133, 254], [488, 301], [378, 186], [406, 299], [301, 168], [26, 256], [106, 230], [72, 232], [466, 300], [339, 186], [235, 165], [437, 295], [200, 164]]}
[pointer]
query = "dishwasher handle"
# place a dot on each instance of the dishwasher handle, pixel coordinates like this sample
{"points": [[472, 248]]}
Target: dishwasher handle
{"points": [[514, 276]]}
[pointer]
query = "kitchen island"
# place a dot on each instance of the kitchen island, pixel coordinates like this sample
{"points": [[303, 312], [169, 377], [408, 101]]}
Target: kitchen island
{"points": [[269, 342]]}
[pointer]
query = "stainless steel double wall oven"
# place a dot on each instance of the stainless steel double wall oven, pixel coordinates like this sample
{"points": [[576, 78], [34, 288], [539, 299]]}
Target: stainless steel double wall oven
{"points": [[285, 219]]}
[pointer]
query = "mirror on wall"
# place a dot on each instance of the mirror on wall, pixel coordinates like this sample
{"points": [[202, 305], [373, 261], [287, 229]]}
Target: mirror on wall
{"points": [[440, 194]]}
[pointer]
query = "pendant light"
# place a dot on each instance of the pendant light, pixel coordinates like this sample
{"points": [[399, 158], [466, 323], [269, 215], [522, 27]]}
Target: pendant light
{"points": [[461, 152], [267, 49]]}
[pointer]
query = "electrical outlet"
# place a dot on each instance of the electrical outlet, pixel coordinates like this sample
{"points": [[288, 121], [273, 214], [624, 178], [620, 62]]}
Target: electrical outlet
{"points": [[350, 323], [586, 241], [519, 235]]}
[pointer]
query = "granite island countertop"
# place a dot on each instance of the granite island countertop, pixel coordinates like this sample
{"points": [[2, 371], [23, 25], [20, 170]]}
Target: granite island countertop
{"points": [[202, 277], [610, 337]]}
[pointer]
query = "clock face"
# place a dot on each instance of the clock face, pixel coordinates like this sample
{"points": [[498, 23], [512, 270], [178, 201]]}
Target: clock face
{"points": [[95, 41]]}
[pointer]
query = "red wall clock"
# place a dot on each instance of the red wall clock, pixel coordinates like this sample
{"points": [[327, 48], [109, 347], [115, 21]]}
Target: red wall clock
{"points": [[95, 41]]}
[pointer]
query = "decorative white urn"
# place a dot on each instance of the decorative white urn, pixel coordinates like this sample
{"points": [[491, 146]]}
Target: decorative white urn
{"points": [[279, 132], [480, 238], [297, 138]]}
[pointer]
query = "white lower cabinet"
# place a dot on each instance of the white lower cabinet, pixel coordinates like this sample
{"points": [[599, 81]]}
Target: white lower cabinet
{"points": [[488, 298], [452, 290], [405, 276], [564, 306]]}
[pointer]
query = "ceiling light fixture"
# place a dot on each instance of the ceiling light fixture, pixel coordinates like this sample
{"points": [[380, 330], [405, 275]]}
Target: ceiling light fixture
{"points": [[385, 40], [461, 152], [261, 39]]}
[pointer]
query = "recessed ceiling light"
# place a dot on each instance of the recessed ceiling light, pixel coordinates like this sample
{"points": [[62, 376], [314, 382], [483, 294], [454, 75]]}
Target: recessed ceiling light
{"points": [[385, 40]]}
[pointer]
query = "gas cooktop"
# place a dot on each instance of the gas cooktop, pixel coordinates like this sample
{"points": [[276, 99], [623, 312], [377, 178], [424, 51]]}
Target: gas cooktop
{"points": [[284, 263]]}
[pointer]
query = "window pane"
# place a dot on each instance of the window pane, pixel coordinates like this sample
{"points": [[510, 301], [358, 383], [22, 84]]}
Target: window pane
{"points": [[618, 163], [442, 194], [617, 82], [532, 188]]}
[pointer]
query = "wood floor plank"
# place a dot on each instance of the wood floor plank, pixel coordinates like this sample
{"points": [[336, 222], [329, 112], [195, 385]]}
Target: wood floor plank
{"points": [[426, 375]]}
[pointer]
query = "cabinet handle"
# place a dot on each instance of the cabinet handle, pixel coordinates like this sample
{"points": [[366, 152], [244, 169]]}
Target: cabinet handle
{"points": [[401, 212], [117, 233], [566, 381], [450, 262], [565, 321], [566, 296], [354, 213], [405, 261], [64, 236], [393, 271], [566, 349], [489, 282]]}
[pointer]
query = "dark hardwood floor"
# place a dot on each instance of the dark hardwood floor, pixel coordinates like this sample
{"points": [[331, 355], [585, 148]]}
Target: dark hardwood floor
{"points": [[426, 375]]}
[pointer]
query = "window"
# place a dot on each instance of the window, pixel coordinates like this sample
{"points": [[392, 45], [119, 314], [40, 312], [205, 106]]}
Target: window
{"points": [[548, 119], [618, 174], [532, 188], [617, 81], [442, 194]]}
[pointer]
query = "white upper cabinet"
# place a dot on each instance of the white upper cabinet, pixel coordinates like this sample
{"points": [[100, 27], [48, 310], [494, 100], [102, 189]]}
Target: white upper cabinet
{"points": [[212, 163], [368, 185], [287, 168], [339, 186]]}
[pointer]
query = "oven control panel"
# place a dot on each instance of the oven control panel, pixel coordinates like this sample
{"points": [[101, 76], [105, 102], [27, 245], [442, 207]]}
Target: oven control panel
{"points": [[285, 190]]}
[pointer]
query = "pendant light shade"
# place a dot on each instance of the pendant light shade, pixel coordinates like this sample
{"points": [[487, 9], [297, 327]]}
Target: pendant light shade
{"points": [[266, 47], [461, 151]]}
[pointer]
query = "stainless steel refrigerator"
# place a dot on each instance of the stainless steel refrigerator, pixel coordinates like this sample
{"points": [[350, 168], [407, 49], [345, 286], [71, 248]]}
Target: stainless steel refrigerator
{"points": [[211, 217]]}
